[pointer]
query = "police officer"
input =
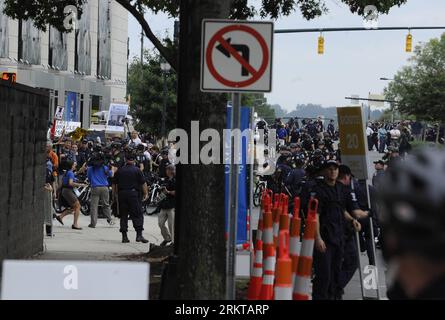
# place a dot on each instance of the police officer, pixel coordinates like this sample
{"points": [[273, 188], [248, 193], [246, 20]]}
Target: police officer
{"points": [[128, 184], [117, 155], [350, 254], [333, 207]]}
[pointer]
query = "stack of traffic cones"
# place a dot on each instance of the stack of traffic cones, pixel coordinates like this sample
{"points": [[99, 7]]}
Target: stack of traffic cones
{"points": [[304, 269], [269, 256], [295, 244], [256, 280], [283, 282], [282, 265]]}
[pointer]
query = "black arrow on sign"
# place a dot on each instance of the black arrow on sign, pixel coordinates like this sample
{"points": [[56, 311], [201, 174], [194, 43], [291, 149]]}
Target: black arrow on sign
{"points": [[245, 53]]}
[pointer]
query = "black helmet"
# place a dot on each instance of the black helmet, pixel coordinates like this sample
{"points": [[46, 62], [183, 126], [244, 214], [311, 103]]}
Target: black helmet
{"points": [[412, 200], [140, 147], [130, 154]]}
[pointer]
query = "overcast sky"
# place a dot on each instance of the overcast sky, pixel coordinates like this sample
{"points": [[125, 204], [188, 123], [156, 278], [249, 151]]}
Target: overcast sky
{"points": [[353, 61]]}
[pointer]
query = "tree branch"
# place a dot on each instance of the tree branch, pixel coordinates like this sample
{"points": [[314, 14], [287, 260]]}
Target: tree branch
{"points": [[150, 35]]}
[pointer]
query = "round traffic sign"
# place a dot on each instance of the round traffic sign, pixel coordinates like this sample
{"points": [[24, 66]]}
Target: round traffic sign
{"points": [[255, 74]]}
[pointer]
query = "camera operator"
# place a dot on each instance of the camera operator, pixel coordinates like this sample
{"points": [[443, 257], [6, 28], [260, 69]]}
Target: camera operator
{"points": [[98, 174]]}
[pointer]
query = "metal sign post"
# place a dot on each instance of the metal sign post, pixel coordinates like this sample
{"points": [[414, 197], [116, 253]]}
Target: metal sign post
{"points": [[233, 200], [236, 57]]}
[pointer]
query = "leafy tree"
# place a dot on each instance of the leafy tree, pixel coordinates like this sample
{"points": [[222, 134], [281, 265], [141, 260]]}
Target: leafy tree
{"points": [[199, 243], [52, 11], [259, 102], [146, 87], [419, 88]]}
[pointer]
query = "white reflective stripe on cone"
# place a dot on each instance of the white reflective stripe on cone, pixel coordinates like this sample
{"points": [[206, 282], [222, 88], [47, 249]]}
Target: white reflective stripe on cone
{"points": [[269, 263], [295, 246], [307, 248], [259, 235], [268, 236], [258, 272], [302, 285], [276, 228], [283, 293], [268, 279]]}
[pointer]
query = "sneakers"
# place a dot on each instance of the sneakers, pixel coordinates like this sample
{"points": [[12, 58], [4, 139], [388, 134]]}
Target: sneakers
{"points": [[111, 222], [165, 243], [91, 226]]}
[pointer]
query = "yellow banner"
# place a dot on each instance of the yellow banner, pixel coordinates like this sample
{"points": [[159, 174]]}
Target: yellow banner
{"points": [[352, 135]]}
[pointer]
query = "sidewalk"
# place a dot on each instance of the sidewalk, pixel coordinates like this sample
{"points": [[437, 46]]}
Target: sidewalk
{"points": [[101, 243]]}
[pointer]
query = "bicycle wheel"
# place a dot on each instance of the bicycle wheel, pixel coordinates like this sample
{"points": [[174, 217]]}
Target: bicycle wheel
{"points": [[257, 195]]}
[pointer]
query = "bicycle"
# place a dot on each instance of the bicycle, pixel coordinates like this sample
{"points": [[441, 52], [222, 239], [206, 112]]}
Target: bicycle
{"points": [[260, 187]]}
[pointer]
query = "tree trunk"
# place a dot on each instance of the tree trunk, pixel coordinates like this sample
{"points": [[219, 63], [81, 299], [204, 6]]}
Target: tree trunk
{"points": [[200, 216]]}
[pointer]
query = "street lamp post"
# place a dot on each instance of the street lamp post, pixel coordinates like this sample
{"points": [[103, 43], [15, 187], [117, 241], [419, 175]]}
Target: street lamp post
{"points": [[165, 67], [392, 105]]}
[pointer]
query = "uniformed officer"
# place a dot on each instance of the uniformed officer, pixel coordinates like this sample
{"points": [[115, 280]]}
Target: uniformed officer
{"points": [[350, 250], [128, 184], [334, 203]]}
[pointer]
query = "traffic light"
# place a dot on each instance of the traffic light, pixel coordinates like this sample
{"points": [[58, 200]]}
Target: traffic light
{"points": [[320, 45], [9, 76], [409, 43]]}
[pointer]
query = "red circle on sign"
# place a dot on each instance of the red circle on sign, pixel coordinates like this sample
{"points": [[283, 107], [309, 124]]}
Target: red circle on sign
{"points": [[219, 35]]}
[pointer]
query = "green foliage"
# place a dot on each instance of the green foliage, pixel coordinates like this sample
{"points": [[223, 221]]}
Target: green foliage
{"points": [[146, 87], [51, 11], [420, 87], [259, 102]]}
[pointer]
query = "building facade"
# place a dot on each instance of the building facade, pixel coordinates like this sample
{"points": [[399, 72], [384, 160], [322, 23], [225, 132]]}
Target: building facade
{"points": [[84, 70]]}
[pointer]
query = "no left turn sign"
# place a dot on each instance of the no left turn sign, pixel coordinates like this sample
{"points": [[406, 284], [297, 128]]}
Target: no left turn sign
{"points": [[236, 56]]}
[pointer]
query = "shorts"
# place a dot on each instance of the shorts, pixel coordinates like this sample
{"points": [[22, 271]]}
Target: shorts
{"points": [[69, 196]]}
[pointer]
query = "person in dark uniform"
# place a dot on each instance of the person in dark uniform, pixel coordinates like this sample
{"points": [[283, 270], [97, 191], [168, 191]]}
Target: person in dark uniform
{"points": [[334, 205], [128, 185], [350, 250], [118, 156]]}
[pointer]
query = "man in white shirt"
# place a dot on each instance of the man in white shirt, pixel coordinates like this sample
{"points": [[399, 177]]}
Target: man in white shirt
{"points": [[135, 140]]}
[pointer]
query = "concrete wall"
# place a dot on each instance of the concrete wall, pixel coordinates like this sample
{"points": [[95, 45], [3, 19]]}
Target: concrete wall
{"points": [[23, 126]]}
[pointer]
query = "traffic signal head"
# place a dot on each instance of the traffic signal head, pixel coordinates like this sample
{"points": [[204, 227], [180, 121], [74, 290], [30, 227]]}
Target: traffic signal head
{"points": [[320, 45], [409, 43], [9, 76]]}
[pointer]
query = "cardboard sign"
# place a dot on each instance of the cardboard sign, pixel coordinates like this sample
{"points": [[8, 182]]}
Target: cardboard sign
{"points": [[353, 143], [69, 127], [116, 117]]}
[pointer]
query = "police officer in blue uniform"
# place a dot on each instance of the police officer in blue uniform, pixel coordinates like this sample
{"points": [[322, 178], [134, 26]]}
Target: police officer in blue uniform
{"points": [[128, 185], [334, 205]]}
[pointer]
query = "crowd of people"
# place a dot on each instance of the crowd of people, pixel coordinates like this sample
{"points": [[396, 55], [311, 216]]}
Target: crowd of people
{"points": [[309, 165], [119, 172]]}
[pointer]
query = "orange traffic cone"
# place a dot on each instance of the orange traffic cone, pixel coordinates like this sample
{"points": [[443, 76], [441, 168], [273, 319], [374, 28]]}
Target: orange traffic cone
{"points": [[269, 256], [295, 244], [303, 277], [283, 283], [284, 217], [256, 280], [278, 207]]}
